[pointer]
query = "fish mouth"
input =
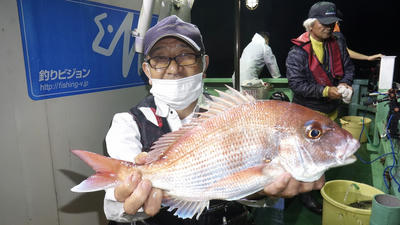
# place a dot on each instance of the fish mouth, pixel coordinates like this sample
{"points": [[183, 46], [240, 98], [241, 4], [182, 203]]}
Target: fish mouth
{"points": [[346, 152], [350, 159]]}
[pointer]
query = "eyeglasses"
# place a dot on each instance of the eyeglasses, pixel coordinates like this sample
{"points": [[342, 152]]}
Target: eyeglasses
{"points": [[162, 62]]}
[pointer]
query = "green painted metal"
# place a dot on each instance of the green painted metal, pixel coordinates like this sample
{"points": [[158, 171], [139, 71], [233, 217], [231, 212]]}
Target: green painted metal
{"points": [[381, 145], [356, 107], [378, 143]]}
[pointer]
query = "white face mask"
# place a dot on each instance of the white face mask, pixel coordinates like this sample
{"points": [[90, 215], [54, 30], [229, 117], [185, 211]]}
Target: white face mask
{"points": [[180, 93]]}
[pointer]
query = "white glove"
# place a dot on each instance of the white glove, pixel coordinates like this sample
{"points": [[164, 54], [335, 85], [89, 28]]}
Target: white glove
{"points": [[346, 93]]}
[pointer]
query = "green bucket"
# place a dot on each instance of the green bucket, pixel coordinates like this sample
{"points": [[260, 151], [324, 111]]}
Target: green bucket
{"points": [[336, 209]]}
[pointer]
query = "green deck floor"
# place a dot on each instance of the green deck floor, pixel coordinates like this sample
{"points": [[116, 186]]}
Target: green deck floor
{"points": [[296, 214]]}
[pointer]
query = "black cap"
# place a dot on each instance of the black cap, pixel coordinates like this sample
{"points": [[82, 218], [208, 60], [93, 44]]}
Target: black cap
{"points": [[324, 12]]}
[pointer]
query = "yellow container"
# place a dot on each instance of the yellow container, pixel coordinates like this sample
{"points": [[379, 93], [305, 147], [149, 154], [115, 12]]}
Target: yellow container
{"points": [[336, 211], [354, 125]]}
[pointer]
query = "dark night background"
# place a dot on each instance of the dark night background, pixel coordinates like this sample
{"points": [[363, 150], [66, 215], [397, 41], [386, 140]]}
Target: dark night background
{"points": [[370, 27]]}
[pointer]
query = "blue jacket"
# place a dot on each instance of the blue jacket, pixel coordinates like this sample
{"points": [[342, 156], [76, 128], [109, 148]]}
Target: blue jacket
{"points": [[307, 91]]}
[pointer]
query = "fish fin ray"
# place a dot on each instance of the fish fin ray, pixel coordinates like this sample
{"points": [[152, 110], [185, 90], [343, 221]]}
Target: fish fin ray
{"points": [[185, 208], [160, 146], [240, 97], [225, 101], [96, 182], [99, 163], [105, 167]]}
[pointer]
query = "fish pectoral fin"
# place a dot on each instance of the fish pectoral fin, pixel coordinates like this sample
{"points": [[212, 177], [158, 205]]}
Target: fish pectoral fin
{"points": [[185, 208], [241, 184]]}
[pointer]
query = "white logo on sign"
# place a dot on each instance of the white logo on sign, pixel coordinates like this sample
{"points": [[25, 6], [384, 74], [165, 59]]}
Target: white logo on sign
{"points": [[125, 28]]}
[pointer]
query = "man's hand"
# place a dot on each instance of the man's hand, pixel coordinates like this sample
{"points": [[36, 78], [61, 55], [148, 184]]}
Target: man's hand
{"points": [[286, 186], [136, 193], [333, 93], [374, 57], [346, 91], [345, 85]]}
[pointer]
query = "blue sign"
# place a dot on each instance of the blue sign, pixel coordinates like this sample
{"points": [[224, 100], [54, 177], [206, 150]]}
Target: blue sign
{"points": [[77, 46]]}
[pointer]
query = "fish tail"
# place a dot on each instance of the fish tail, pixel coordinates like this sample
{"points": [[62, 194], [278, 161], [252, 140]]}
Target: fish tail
{"points": [[106, 172]]}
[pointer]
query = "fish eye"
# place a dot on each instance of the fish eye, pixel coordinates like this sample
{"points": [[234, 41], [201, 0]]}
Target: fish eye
{"points": [[313, 129], [314, 133]]}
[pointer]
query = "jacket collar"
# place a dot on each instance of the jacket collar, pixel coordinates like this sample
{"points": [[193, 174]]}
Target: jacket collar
{"points": [[164, 110], [258, 38], [302, 39]]}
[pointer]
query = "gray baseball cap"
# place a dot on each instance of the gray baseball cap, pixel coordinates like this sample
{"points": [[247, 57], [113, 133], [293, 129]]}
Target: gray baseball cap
{"points": [[175, 27]]}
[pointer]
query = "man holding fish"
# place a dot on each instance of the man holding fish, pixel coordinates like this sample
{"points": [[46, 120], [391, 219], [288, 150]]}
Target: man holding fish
{"points": [[175, 65], [165, 152]]}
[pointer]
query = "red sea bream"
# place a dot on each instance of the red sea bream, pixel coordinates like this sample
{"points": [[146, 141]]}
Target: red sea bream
{"points": [[231, 151]]}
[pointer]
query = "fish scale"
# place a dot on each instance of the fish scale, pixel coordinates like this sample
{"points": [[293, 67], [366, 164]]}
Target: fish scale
{"points": [[233, 150], [200, 166], [195, 170]]}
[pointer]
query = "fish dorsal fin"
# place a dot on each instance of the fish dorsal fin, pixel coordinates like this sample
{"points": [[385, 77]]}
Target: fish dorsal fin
{"points": [[185, 209], [217, 105], [225, 101], [160, 146]]}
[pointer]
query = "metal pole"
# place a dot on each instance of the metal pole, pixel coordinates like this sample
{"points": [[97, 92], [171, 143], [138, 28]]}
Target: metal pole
{"points": [[237, 45]]}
